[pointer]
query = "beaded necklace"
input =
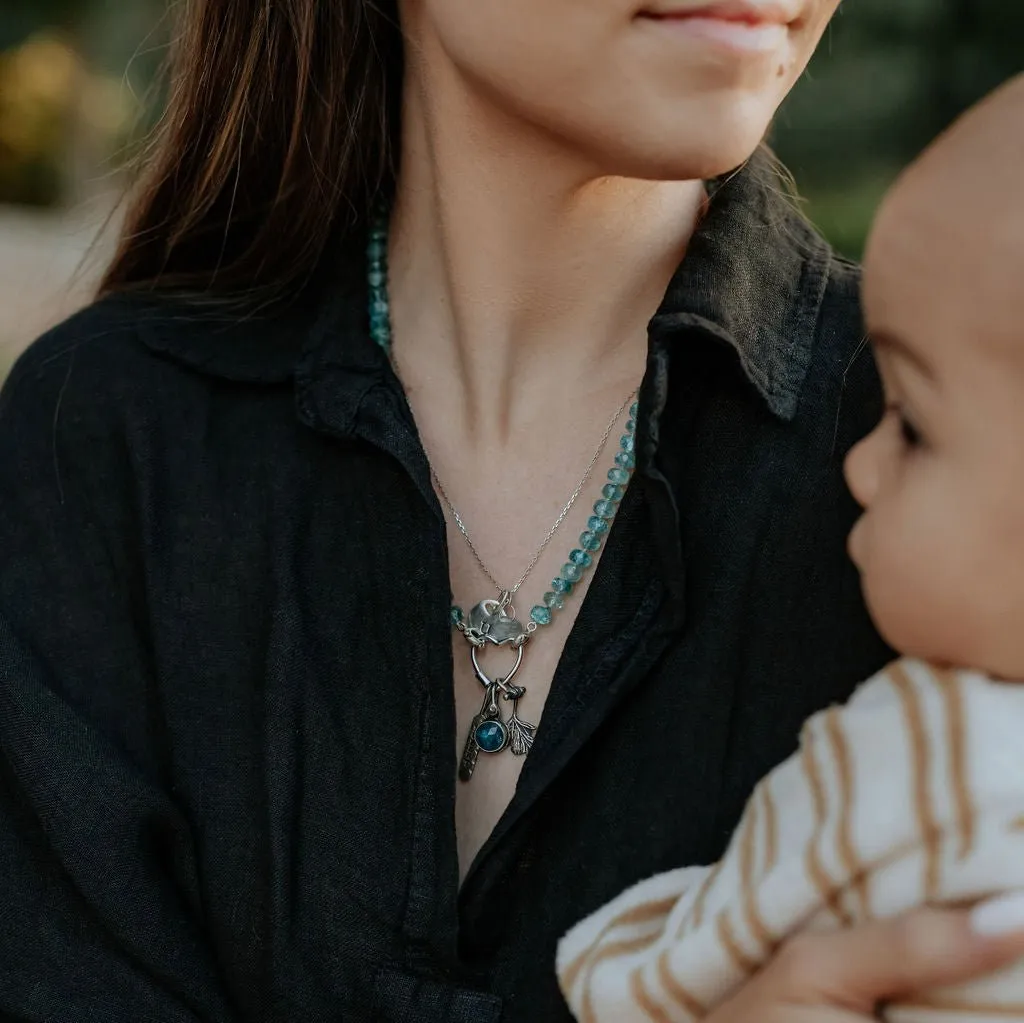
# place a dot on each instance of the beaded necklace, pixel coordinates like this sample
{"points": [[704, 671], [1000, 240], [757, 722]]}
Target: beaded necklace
{"points": [[493, 621]]}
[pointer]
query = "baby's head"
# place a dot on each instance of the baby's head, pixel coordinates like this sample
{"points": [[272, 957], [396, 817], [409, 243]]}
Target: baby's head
{"points": [[940, 546]]}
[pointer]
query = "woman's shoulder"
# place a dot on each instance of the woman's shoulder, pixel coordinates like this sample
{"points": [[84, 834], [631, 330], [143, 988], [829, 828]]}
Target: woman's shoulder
{"points": [[96, 405], [136, 361], [96, 360], [130, 342], [106, 325], [83, 372]]}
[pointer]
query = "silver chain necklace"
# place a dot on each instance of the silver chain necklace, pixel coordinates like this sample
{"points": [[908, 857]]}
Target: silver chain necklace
{"points": [[562, 515], [493, 622]]}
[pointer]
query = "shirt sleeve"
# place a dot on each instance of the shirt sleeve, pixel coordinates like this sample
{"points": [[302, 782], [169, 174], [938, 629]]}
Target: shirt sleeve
{"points": [[100, 900]]}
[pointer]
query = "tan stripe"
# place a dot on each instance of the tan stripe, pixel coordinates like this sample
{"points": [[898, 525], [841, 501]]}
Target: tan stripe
{"points": [[727, 937], [956, 738], [1017, 824], [771, 838], [641, 914], [815, 868], [845, 847], [644, 1001], [922, 789], [763, 938], [697, 914], [612, 950], [682, 996]]}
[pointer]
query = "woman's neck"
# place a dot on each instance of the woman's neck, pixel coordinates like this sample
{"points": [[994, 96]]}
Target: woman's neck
{"points": [[519, 277]]}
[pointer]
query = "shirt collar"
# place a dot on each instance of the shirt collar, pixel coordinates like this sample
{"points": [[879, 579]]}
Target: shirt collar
{"points": [[753, 278]]}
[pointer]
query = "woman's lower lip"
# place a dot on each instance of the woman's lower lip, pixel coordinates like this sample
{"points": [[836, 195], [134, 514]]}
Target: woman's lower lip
{"points": [[739, 36]]}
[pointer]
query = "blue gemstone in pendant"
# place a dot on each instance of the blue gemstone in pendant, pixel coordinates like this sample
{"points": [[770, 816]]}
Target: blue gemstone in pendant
{"points": [[541, 615], [455, 615], [628, 443], [572, 572], [618, 476], [613, 493], [582, 558], [590, 542], [562, 586], [626, 459], [598, 526], [605, 510], [554, 600], [491, 736]]}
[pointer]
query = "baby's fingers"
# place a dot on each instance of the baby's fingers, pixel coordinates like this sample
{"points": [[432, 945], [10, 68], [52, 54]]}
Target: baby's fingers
{"points": [[854, 970]]}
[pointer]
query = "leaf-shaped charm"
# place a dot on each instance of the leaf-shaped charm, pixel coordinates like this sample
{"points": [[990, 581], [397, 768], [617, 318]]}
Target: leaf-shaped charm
{"points": [[521, 735]]}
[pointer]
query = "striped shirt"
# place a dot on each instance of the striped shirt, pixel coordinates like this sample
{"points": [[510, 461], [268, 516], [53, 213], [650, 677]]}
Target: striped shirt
{"points": [[910, 794]]}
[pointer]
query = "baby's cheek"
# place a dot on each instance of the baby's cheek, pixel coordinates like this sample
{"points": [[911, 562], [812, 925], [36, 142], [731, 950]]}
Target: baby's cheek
{"points": [[921, 611], [897, 588]]}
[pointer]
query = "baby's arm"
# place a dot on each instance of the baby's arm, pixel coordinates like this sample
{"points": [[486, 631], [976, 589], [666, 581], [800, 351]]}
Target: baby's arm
{"points": [[906, 795], [619, 934]]}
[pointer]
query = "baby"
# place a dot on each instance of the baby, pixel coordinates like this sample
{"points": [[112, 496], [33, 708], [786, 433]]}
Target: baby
{"points": [[913, 792]]}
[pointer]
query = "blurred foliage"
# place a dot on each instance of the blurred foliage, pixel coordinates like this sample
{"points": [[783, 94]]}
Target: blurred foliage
{"points": [[47, 93], [68, 106], [37, 81], [889, 76]]}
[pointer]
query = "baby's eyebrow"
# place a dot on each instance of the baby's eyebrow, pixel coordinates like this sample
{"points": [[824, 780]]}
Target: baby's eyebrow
{"points": [[886, 341]]}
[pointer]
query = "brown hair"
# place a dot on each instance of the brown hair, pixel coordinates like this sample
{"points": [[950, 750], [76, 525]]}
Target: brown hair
{"points": [[279, 133]]}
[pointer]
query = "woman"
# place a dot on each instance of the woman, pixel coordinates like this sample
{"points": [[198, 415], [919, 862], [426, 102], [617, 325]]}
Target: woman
{"points": [[371, 278]]}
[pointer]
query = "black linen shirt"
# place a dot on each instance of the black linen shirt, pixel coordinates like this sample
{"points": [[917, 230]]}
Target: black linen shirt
{"points": [[227, 748]]}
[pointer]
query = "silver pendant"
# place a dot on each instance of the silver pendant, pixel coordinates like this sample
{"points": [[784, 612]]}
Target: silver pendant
{"points": [[490, 732], [488, 623]]}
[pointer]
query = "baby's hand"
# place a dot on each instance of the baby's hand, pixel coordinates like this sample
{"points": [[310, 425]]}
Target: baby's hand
{"points": [[845, 976]]}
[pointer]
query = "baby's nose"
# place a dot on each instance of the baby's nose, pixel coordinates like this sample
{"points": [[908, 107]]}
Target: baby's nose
{"points": [[861, 469]]}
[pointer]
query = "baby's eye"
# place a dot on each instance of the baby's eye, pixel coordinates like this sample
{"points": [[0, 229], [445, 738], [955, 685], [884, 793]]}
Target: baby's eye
{"points": [[909, 433]]}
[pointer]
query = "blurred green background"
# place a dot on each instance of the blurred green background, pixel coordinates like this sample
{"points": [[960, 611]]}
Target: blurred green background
{"points": [[77, 93]]}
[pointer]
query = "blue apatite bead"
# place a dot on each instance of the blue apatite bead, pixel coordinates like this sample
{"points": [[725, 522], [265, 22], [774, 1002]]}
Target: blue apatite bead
{"points": [[376, 278], [562, 586], [604, 510], [613, 493], [572, 572], [631, 426], [618, 476], [541, 615], [582, 558], [491, 736], [598, 526], [628, 443], [375, 251], [554, 600], [378, 307], [590, 542], [455, 615], [626, 459], [634, 410]]}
